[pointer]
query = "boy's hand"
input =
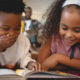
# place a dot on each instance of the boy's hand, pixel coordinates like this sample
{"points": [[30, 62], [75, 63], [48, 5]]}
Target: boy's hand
{"points": [[36, 66]]}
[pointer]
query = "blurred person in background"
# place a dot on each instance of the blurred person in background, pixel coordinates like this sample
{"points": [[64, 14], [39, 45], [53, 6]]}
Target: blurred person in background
{"points": [[32, 27]]}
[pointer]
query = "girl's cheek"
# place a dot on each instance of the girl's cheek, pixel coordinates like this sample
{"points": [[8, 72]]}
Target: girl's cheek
{"points": [[78, 36], [62, 33]]}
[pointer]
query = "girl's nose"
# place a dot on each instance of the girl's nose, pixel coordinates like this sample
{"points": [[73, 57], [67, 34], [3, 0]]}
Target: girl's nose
{"points": [[69, 34]]}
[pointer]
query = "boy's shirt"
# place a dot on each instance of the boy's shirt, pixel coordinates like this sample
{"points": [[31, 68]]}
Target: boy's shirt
{"points": [[32, 24], [17, 53]]}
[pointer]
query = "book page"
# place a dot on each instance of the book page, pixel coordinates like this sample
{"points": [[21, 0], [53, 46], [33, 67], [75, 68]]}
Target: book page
{"points": [[55, 74], [8, 74]]}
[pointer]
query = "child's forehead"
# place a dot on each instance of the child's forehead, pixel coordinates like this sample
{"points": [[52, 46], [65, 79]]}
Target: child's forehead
{"points": [[9, 18], [74, 13], [70, 18], [71, 10], [8, 13]]}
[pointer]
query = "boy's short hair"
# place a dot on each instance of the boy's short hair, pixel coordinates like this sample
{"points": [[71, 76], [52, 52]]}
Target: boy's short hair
{"points": [[12, 6], [28, 7]]}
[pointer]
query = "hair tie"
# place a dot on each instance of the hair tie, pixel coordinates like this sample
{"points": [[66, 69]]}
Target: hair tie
{"points": [[68, 2]]}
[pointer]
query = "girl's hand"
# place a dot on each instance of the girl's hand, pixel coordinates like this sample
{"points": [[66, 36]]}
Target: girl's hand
{"points": [[36, 66]]}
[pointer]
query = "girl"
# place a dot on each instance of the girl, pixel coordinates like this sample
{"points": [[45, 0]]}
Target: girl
{"points": [[62, 33]]}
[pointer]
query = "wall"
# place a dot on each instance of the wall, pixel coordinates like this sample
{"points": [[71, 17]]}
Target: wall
{"points": [[39, 7]]}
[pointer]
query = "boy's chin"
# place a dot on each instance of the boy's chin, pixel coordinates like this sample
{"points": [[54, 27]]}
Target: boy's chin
{"points": [[4, 48]]}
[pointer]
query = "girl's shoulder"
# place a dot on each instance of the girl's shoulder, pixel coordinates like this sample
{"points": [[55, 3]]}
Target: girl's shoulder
{"points": [[56, 41], [56, 38]]}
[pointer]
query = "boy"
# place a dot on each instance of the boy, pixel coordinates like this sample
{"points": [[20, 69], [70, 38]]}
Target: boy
{"points": [[14, 46]]}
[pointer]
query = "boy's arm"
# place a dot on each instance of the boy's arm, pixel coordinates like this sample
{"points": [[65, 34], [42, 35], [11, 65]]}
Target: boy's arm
{"points": [[26, 60], [44, 51], [53, 60]]}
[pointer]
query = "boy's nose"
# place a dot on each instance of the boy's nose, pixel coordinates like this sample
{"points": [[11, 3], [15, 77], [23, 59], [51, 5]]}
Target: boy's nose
{"points": [[12, 32]]}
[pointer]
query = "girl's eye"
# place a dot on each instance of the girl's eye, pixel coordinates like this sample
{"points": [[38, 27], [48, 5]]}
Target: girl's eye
{"points": [[77, 30], [64, 28]]}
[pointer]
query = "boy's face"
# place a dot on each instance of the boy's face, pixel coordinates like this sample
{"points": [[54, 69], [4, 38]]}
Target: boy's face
{"points": [[70, 26], [9, 29], [28, 13]]}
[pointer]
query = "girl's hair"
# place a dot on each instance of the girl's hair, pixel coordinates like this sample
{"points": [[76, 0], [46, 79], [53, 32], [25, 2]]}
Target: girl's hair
{"points": [[12, 6], [52, 23]]}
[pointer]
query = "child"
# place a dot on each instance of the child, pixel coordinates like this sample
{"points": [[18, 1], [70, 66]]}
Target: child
{"points": [[14, 46], [32, 27], [62, 31]]}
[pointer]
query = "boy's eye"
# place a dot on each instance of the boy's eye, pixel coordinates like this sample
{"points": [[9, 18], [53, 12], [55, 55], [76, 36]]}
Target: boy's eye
{"points": [[17, 28], [5, 28]]}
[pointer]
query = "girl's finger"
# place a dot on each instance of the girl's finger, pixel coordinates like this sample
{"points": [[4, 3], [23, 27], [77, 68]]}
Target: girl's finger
{"points": [[39, 67]]}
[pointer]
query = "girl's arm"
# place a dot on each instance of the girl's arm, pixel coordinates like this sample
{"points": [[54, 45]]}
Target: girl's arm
{"points": [[53, 60], [44, 51], [75, 62]]}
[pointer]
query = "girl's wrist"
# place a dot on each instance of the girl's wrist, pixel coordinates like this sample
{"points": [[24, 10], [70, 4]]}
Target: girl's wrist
{"points": [[61, 58]]}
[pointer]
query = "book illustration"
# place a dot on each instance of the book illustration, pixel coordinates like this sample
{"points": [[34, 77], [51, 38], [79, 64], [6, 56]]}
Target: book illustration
{"points": [[23, 72]]}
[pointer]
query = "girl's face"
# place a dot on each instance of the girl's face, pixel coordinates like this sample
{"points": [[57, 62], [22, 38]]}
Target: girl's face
{"points": [[9, 29], [70, 26]]}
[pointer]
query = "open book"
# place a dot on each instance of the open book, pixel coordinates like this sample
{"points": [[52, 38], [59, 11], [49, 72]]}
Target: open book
{"points": [[28, 74], [6, 74], [50, 75]]}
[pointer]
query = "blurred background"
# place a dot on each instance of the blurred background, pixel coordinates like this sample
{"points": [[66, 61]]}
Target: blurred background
{"points": [[39, 8]]}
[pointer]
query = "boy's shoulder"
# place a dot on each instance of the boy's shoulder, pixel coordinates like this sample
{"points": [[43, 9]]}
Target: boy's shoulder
{"points": [[23, 39], [34, 21]]}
